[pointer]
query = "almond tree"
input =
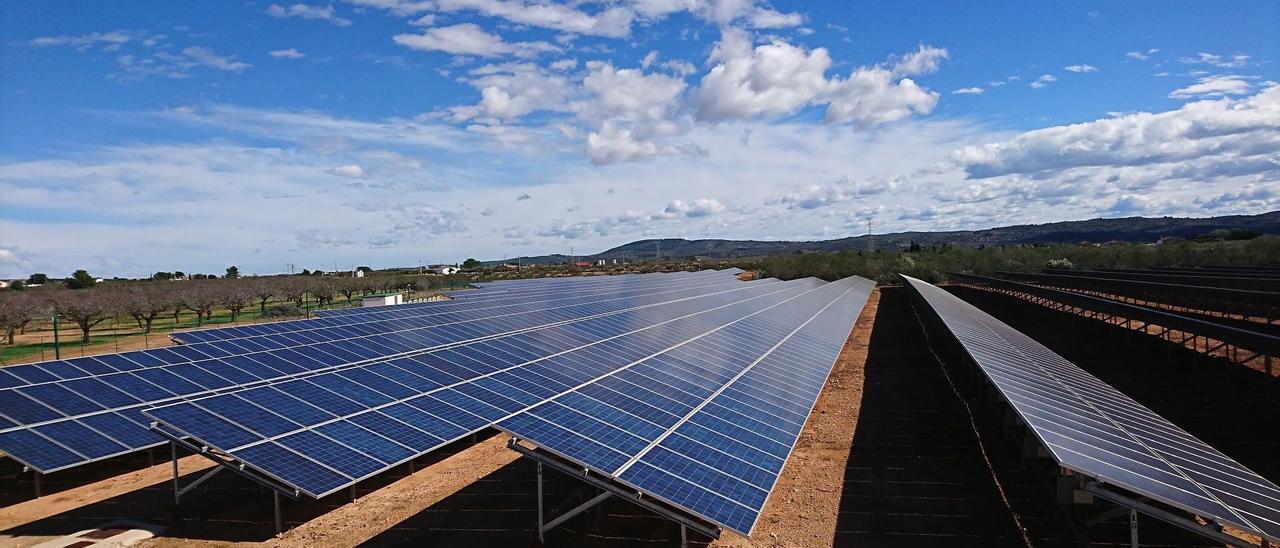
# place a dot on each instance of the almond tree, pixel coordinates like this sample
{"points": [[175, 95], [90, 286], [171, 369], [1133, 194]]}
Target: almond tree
{"points": [[16, 311], [85, 308], [145, 302], [234, 296], [323, 290], [348, 287], [263, 290], [294, 289], [199, 299]]}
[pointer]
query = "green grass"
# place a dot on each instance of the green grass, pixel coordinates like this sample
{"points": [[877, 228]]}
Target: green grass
{"points": [[69, 334]]}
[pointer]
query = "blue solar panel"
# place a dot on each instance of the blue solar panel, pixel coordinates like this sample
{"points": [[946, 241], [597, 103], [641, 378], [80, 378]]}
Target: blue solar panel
{"points": [[708, 425], [1097, 431], [149, 377], [451, 411]]}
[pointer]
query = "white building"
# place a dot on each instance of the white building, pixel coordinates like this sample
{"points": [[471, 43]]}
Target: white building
{"points": [[445, 270], [382, 299]]}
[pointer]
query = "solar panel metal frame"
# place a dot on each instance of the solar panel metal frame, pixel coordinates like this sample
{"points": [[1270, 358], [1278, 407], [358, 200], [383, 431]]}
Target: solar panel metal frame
{"points": [[1102, 480], [63, 418], [615, 476], [221, 455]]}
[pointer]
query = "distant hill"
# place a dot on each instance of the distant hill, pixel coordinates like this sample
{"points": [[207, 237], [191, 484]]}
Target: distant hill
{"points": [[1126, 229]]}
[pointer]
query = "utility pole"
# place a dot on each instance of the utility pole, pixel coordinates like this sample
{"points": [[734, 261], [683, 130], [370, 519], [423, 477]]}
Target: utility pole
{"points": [[871, 240]]}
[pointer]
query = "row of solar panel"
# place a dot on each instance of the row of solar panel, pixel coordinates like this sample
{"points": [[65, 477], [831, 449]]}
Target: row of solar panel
{"points": [[300, 446], [1097, 431], [302, 333], [715, 420], [377, 318], [57, 424]]}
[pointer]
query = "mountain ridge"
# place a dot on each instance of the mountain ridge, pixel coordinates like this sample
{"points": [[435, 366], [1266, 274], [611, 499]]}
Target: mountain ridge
{"points": [[1099, 230]]}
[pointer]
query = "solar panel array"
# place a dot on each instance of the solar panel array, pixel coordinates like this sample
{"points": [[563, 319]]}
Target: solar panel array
{"points": [[1095, 430], [59, 414], [706, 425], [324, 432]]}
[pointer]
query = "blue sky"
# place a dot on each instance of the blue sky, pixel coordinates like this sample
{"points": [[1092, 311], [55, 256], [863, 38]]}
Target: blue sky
{"points": [[144, 136]]}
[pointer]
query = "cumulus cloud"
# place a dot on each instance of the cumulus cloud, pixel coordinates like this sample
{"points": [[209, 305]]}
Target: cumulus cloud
{"points": [[110, 40], [349, 170], [1080, 68], [209, 58], [1042, 81], [1141, 56], [1213, 86], [470, 39], [975, 90], [524, 197], [1224, 130], [291, 53], [509, 91], [612, 22], [780, 78], [305, 11], [611, 144], [1216, 60]]}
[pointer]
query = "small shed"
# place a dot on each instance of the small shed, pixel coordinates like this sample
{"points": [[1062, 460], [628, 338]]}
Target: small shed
{"points": [[382, 299]]}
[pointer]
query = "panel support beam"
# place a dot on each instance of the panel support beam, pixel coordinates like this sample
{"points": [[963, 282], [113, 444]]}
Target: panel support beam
{"points": [[1136, 506], [610, 488]]}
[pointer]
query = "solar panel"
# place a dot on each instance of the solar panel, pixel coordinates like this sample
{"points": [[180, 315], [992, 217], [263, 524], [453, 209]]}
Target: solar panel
{"points": [[341, 427], [706, 426], [50, 422], [559, 287], [1097, 431], [378, 319]]}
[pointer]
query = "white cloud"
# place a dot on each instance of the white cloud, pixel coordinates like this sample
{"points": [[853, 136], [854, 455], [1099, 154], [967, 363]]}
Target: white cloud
{"points": [[780, 78], [612, 22], [291, 53], [1141, 56], [111, 40], [353, 171], [428, 20], [1213, 86], [1080, 68], [1224, 130], [765, 18], [470, 39], [305, 11], [509, 91], [211, 59], [1043, 81], [649, 58], [611, 144], [968, 91], [1213, 59], [925, 60]]}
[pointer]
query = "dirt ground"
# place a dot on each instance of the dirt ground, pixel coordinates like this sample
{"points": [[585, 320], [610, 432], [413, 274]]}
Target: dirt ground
{"points": [[894, 454]]}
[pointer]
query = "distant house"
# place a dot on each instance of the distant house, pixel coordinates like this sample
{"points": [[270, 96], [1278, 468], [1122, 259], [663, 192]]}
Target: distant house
{"points": [[445, 270], [382, 299], [4, 284], [582, 264], [358, 273]]}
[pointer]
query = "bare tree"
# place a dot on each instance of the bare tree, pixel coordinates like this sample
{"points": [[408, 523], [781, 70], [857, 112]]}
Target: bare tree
{"points": [[85, 308], [16, 311], [323, 290], [263, 290], [348, 287], [144, 302], [199, 298], [235, 296], [294, 289]]}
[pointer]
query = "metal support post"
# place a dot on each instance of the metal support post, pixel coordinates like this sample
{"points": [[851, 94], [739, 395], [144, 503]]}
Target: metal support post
{"points": [[173, 452], [39, 482], [275, 497], [1133, 528], [540, 540], [684, 536]]}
